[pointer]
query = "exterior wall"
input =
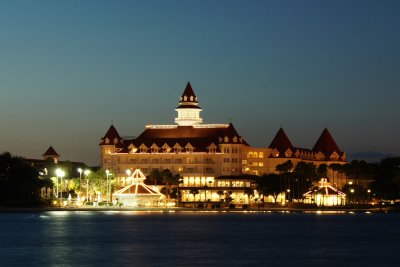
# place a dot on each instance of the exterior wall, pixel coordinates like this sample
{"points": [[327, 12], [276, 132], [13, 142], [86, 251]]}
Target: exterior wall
{"points": [[198, 169]]}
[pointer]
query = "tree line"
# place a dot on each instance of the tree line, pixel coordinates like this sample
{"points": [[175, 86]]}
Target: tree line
{"points": [[360, 180], [22, 185]]}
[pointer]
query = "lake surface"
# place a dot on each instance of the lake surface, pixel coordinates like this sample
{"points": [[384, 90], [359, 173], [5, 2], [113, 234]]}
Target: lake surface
{"points": [[129, 238]]}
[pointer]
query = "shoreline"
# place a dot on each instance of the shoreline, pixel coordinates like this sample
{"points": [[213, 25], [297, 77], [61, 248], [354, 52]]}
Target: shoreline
{"points": [[202, 210]]}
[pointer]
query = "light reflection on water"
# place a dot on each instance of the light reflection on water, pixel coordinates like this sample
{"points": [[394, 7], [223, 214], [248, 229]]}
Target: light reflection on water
{"points": [[134, 238]]}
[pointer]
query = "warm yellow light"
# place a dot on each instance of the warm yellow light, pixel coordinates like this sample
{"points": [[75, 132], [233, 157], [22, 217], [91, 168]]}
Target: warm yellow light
{"points": [[60, 173], [350, 183], [352, 190], [80, 170], [128, 171], [87, 172]]}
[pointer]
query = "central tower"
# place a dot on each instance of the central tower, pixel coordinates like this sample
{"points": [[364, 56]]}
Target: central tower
{"points": [[188, 110]]}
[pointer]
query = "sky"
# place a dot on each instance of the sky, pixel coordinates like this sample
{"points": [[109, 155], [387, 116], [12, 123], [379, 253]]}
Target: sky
{"points": [[68, 69]]}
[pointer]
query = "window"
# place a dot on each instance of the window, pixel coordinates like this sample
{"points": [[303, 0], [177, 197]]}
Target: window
{"points": [[208, 170], [189, 169], [208, 161], [226, 150]]}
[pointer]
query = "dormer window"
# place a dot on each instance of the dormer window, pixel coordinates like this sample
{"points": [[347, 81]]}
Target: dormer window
{"points": [[189, 148], [212, 149], [107, 141], [115, 140], [335, 156], [288, 153], [166, 148], [320, 155], [191, 98], [226, 139], [275, 153], [235, 139], [177, 148], [154, 148], [132, 149], [143, 148]]}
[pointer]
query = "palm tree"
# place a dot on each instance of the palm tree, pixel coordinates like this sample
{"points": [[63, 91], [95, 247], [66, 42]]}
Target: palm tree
{"points": [[169, 179], [284, 170], [220, 194], [194, 192], [249, 192], [155, 175]]}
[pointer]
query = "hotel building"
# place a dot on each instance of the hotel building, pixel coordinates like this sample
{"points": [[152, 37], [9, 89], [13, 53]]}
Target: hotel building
{"points": [[212, 158]]}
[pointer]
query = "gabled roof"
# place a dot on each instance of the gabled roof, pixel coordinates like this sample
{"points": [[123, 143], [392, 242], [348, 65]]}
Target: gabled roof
{"points": [[50, 152], [111, 135], [281, 142], [200, 138], [326, 144]]}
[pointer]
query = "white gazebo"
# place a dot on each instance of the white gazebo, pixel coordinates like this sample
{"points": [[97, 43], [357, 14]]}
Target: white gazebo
{"points": [[137, 194], [325, 195]]}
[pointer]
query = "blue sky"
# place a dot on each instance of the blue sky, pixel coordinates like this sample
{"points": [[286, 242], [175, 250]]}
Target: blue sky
{"points": [[69, 68]]}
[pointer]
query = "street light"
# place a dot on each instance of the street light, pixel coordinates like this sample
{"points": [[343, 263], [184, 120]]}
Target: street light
{"points": [[177, 192], [60, 173], [86, 173], [108, 186], [128, 172], [80, 179]]}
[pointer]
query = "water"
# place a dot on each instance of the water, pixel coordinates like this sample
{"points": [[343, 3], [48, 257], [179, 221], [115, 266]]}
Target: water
{"points": [[72, 238]]}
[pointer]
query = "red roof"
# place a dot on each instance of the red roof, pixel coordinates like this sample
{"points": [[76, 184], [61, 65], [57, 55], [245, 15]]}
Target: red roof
{"points": [[326, 144], [50, 152], [111, 135], [200, 138], [281, 142]]}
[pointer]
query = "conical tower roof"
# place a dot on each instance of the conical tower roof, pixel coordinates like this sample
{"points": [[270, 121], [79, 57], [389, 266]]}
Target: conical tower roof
{"points": [[326, 144], [281, 142], [188, 99], [111, 136], [188, 94], [51, 152]]}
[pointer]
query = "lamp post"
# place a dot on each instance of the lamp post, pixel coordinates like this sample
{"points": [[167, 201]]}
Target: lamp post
{"points": [[86, 173], [369, 196], [352, 192], [209, 185], [128, 172], [108, 186], [80, 180], [60, 173], [177, 192]]}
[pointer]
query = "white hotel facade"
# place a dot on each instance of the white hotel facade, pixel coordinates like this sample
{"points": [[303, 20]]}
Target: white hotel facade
{"points": [[212, 158]]}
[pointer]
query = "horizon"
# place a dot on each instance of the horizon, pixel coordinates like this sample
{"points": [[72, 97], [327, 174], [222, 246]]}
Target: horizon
{"points": [[71, 69]]}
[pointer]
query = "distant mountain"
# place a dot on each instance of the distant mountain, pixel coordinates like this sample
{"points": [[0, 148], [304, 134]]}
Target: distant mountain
{"points": [[368, 156]]}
